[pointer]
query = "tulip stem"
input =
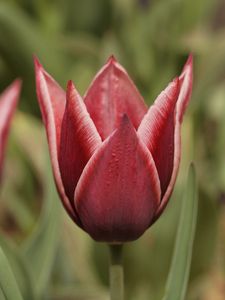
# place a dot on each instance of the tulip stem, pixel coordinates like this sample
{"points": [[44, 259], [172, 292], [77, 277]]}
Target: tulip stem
{"points": [[116, 273]]}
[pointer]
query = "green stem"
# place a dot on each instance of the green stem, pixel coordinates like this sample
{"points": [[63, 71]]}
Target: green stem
{"points": [[116, 273]]}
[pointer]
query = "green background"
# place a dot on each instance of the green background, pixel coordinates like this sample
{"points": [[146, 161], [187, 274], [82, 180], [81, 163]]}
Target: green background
{"points": [[51, 258]]}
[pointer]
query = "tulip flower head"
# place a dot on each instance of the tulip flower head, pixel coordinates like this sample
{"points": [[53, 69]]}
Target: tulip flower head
{"points": [[8, 102], [114, 160]]}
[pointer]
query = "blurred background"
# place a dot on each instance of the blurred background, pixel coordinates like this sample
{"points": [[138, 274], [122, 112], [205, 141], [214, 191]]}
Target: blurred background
{"points": [[50, 257]]}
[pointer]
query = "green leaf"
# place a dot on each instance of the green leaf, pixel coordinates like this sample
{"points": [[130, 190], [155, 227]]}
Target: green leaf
{"points": [[8, 286], [40, 249], [24, 39], [179, 271], [19, 267]]}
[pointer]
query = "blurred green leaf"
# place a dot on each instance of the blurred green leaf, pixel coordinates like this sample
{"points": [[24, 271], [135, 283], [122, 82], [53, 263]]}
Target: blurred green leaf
{"points": [[82, 293], [40, 249], [19, 267], [8, 284], [24, 39], [180, 267], [86, 15]]}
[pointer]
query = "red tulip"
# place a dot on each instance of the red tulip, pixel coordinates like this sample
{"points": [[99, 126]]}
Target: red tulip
{"points": [[8, 102], [114, 160]]}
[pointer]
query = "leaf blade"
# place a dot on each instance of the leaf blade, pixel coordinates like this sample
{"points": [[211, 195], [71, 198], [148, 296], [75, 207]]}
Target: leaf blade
{"points": [[180, 267], [19, 268], [41, 247], [8, 284]]}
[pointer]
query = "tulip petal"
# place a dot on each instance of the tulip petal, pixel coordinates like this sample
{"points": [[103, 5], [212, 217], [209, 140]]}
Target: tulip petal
{"points": [[8, 102], [119, 190], [186, 82], [186, 79], [79, 140], [111, 95], [52, 101], [157, 132], [160, 130]]}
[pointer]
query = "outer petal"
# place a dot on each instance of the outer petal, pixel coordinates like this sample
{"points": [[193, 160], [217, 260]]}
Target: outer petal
{"points": [[118, 192], [157, 132], [186, 79], [111, 94], [160, 131], [8, 102], [52, 101], [79, 140]]}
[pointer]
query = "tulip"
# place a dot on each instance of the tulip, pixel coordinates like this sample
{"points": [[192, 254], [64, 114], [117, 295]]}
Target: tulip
{"points": [[8, 102], [114, 161]]}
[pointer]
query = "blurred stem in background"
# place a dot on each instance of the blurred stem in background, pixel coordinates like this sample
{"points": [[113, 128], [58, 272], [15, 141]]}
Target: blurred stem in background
{"points": [[116, 272]]}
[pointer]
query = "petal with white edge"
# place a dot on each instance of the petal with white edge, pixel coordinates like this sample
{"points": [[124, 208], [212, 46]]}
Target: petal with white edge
{"points": [[52, 101], [111, 95], [79, 140], [8, 102], [186, 79], [157, 132], [119, 191]]}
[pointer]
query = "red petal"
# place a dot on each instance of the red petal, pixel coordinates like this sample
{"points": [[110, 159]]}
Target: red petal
{"points": [[118, 192], [111, 95], [52, 101], [157, 132], [160, 130], [8, 102], [186, 79], [79, 140]]}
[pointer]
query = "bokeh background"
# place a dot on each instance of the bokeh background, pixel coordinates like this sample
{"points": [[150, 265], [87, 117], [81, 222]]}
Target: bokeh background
{"points": [[50, 257]]}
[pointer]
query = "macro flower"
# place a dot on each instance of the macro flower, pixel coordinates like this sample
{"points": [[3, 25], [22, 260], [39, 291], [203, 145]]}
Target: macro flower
{"points": [[114, 160], [8, 102]]}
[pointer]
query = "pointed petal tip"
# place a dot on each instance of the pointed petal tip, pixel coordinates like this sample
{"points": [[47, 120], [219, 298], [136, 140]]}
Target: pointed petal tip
{"points": [[17, 84], [125, 127], [37, 63], [111, 59], [176, 81], [70, 86], [189, 63], [71, 90], [14, 89], [125, 121], [190, 58]]}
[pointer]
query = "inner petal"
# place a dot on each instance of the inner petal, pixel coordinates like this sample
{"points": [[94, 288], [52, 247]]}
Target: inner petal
{"points": [[111, 95]]}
